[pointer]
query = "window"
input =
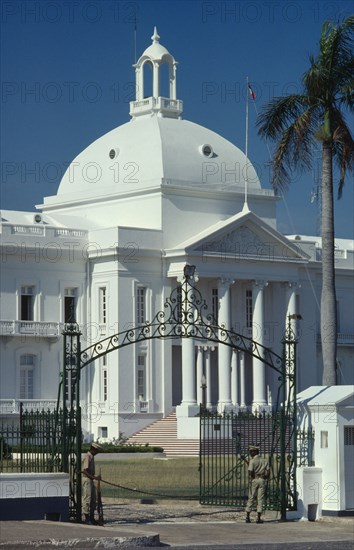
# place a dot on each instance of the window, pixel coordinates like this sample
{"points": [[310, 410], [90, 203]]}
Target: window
{"points": [[338, 316], [103, 431], [102, 305], [215, 303], [249, 308], [27, 303], [70, 302], [348, 435], [104, 384], [140, 305], [103, 390], [141, 377], [324, 440], [27, 364]]}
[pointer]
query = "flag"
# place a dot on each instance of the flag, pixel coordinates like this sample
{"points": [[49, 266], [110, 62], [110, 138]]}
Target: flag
{"points": [[252, 94]]}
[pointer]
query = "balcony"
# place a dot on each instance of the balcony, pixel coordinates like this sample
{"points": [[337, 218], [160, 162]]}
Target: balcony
{"points": [[31, 328], [171, 108], [12, 406], [343, 339]]}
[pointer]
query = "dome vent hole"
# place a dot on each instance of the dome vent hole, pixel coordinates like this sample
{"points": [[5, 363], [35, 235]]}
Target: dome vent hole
{"points": [[207, 150], [113, 153]]}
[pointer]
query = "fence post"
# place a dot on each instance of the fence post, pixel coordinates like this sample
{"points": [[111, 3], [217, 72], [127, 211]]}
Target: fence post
{"points": [[71, 429], [78, 433], [282, 445], [21, 437]]}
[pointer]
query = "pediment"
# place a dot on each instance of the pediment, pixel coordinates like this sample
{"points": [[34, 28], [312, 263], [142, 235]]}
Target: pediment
{"points": [[251, 241]]}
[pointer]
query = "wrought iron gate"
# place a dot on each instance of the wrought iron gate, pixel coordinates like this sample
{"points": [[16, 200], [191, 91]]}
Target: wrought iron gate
{"points": [[185, 316], [225, 441], [224, 458]]}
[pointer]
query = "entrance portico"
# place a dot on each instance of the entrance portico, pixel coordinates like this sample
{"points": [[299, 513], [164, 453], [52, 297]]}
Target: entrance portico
{"points": [[243, 381]]}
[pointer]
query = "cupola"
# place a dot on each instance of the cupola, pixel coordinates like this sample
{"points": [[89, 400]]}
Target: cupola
{"points": [[150, 101]]}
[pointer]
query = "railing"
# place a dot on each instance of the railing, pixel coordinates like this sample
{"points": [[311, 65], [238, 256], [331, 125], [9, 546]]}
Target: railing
{"points": [[343, 338], [32, 443], [29, 229], [143, 406], [39, 230], [12, 406], [63, 232], [156, 104], [34, 328], [339, 254]]}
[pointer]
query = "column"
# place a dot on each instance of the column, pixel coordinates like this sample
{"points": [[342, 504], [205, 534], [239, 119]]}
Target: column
{"points": [[173, 91], [156, 80], [259, 368], [234, 377], [291, 306], [189, 406], [199, 374], [242, 380], [224, 352], [139, 76], [208, 350]]}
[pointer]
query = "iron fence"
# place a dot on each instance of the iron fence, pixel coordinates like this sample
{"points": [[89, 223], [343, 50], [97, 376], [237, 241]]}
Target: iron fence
{"points": [[224, 457], [30, 443]]}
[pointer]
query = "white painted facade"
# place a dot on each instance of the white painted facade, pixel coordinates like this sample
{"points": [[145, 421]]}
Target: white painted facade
{"points": [[132, 209]]}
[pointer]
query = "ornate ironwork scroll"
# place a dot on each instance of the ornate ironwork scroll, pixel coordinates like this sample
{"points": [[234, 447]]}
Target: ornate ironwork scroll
{"points": [[185, 316]]}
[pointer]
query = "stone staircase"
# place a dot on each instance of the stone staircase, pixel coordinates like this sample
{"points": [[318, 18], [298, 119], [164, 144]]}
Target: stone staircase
{"points": [[163, 433]]}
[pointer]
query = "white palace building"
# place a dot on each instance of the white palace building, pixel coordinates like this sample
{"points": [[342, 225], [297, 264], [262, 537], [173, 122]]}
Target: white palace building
{"points": [[131, 211]]}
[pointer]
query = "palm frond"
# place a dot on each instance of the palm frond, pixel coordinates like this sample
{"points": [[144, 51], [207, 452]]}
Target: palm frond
{"points": [[279, 113], [336, 42], [294, 150], [296, 121], [343, 148], [346, 98], [335, 59]]}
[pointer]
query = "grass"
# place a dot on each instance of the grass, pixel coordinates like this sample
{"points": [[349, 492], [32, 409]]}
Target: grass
{"points": [[150, 477]]}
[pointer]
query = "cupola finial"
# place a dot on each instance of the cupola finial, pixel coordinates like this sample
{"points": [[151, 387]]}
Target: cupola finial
{"points": [[149, 100], [155, 37]]}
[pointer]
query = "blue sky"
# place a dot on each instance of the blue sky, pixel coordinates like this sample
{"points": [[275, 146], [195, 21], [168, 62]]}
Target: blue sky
{"points": [[67, 79]]}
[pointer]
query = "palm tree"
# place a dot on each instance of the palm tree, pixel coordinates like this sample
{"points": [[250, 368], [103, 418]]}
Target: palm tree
{"points": [[296, 122]]}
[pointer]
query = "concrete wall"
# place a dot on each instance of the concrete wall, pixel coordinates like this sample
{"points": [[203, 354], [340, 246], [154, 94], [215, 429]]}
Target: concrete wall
{"points": [[34, 496]]}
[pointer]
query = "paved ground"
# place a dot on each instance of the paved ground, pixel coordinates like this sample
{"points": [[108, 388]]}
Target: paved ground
{"points": [[178, 524]]}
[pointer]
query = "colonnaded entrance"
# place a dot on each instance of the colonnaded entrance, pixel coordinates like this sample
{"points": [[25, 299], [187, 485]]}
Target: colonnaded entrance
{"points": [[224, 438]]}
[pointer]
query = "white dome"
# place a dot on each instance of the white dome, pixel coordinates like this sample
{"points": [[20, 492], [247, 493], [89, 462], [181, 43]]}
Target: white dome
{"points": [[152, 151]]}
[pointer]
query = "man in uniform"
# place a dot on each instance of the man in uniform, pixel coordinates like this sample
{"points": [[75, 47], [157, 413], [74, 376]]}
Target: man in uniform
{"points": [[258, 471], [89, 500]]}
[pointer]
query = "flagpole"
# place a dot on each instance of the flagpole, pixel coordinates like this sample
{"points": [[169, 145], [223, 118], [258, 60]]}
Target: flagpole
{"points": [[134, 33], [245, 206]]}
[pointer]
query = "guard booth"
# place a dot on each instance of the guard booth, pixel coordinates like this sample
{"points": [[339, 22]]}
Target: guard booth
{"points": [[329, 412]]}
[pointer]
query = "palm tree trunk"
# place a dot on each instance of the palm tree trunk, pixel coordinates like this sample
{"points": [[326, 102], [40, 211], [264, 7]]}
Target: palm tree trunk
{"points": [[328, 295]]}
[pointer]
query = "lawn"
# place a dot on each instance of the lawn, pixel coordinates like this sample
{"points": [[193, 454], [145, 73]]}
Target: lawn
{"points": [[150, 477]]}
